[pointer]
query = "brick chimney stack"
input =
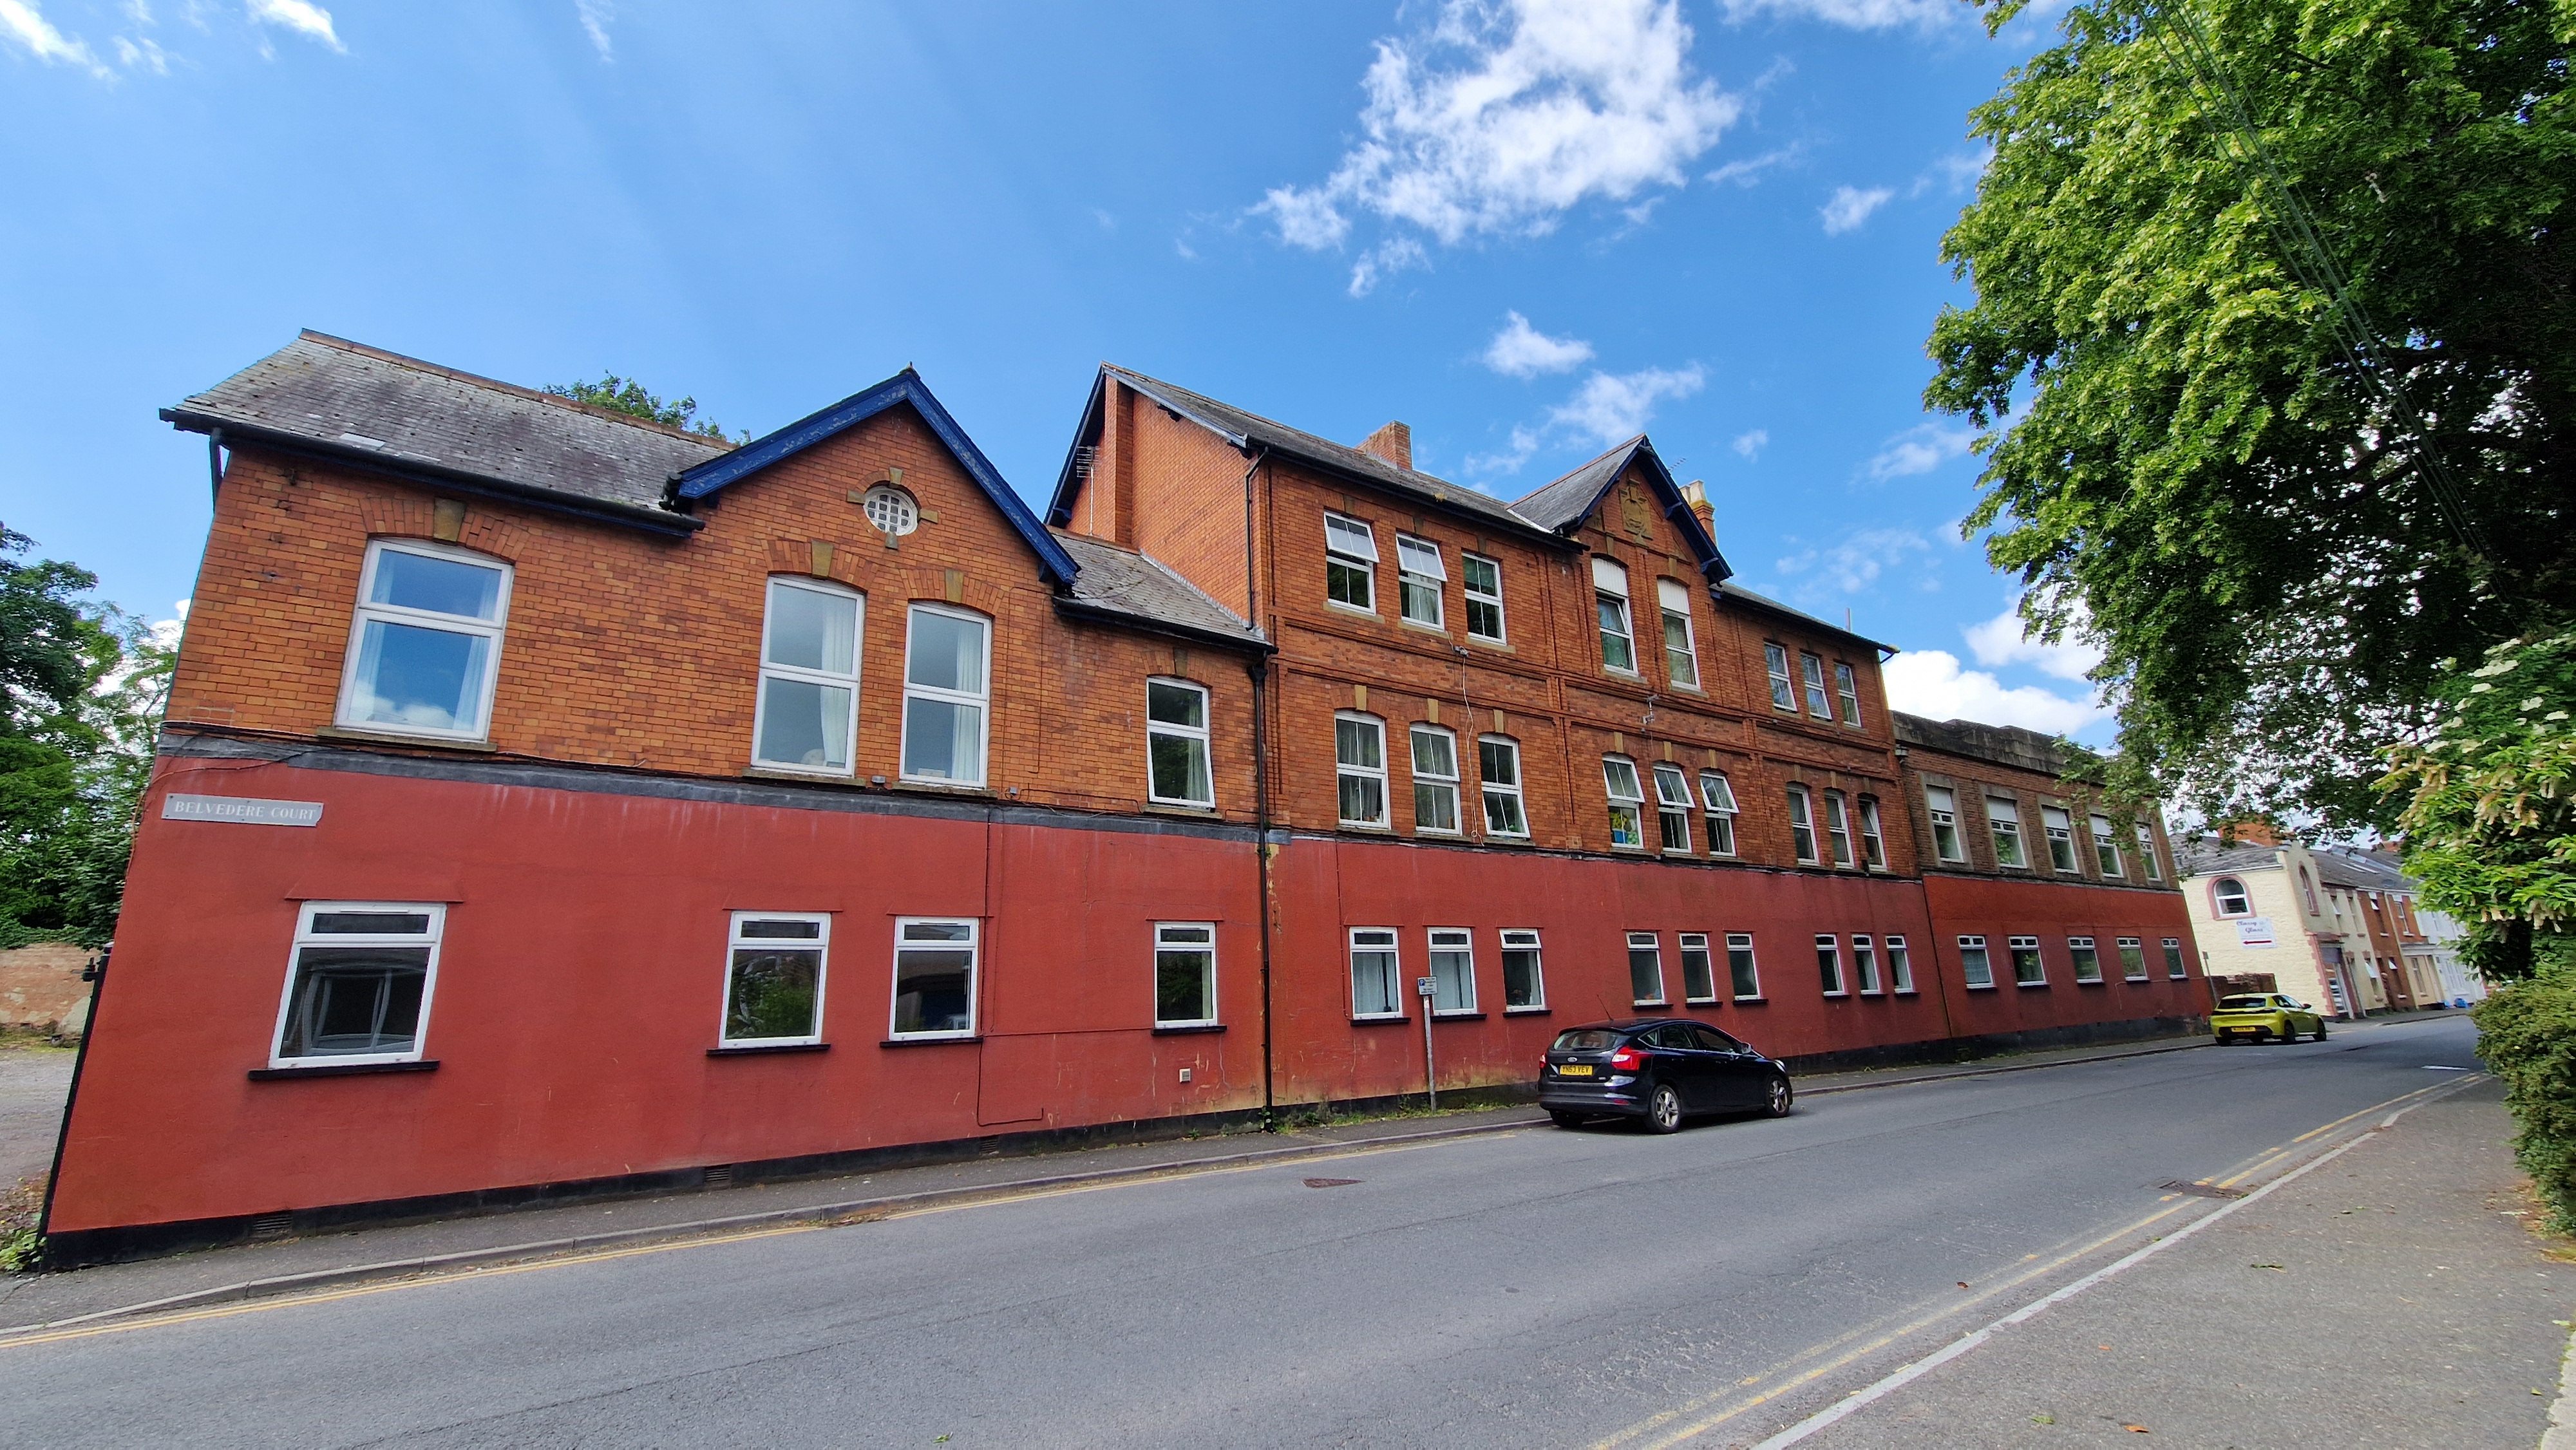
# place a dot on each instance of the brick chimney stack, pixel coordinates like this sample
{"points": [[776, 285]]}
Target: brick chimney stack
{"points": [[1394, 443], [1695, 493], [2250, 831]]}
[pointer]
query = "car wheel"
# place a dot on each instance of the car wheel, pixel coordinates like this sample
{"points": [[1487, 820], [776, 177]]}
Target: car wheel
{"points": [[2321, 1029], [1664, 1109], [1777, 1104], [1565, 1120]]}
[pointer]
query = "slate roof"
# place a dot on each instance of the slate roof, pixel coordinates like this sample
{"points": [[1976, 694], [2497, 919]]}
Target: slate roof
{"points": [[344, 400], [2358, 871], [2201, 856], [1739, 593], [2010, 745], [1138, 588], [1569, 500]]}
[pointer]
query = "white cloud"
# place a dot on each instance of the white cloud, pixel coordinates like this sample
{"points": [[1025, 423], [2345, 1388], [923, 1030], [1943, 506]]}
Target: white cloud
{"points": [[1506, 114], [1395, 254], [2000, 641], [22, 22], [142, 55], [1851, 206], [1854, 14], [1859, 560], [1612, 407], [1931, 682], [595, 15], [1748, 172], [1920, 449], [301, 16], [1522, 351], [1750, 445], [1957, 174], [1524, 442]]}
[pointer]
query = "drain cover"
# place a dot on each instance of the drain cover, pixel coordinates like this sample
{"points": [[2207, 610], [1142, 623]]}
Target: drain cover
{"points": [[1330, 1182], [2200, 1190]]}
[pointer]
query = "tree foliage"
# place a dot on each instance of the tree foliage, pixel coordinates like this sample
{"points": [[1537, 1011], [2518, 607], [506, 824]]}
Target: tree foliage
{"points": [[625, 395], [2527, 1038], [2183, 459]]}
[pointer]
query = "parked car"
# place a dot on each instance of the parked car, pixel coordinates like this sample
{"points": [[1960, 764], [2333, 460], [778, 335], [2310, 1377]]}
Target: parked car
{"points": [[2257, 1016], [1660, 1069]]}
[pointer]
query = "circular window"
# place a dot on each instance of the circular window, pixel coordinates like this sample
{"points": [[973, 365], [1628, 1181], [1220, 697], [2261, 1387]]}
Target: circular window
{"points": [[890, 509]]}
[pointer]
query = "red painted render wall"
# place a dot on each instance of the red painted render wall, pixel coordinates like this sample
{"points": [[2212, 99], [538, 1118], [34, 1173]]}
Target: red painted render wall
{"points": [[1998, 908]]}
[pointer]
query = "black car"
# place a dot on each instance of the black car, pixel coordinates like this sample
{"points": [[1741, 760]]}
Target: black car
{"points": [[1661, 1069]]}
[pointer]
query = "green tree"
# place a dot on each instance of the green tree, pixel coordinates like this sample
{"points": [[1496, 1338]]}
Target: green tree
{"points": [[2278, 504], [625, 395]]}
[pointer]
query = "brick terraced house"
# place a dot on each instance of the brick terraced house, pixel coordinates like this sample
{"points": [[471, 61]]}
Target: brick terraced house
{"points": [[553, 802]]}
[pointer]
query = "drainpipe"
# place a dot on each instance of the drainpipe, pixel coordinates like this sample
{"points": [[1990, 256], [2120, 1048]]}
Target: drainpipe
{"points": [[1260, 671], [214, 473], [97, 974]]}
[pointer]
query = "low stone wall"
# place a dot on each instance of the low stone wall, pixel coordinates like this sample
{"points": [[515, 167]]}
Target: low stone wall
{"points": [[41, 988]]}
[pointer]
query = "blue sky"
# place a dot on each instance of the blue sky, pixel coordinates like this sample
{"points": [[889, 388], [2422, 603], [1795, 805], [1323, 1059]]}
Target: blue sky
{"points": [[1525, 227]]}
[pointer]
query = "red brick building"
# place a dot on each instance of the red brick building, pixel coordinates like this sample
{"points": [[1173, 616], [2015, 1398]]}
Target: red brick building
{"points": [[552, 802]]}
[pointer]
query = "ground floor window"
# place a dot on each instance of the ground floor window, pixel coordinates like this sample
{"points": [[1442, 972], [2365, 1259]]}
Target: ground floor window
{"points": [[774, 977], [1374, 975], [1975, 967], [1453, 970], [934, 977], [1740, 965], [1184, 974], [1865, 964], [2174, 967], [1829, 964], [1900, 965], [2088, 962], [1645, 969], [2028, 970], [2133, 959], [1524, 982], [358, 983], [1699, 973]]}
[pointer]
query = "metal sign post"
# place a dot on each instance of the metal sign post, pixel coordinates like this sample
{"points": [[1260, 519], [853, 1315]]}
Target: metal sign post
{"points": [[1425, 987]]}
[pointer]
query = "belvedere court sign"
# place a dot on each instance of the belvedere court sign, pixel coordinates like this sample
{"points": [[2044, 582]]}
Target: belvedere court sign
{"points": [[234, 810]]}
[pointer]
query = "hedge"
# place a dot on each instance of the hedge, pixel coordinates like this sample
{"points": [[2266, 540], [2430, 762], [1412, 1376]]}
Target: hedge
{"points": [[2527, 1038]]}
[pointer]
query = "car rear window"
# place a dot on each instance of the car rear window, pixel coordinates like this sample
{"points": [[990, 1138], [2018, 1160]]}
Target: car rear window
{"points": [[2243, 1004], [1586, 1039]]}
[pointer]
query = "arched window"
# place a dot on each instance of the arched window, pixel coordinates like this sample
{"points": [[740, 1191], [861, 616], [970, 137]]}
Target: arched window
{"points": [[2308, 889], [2228, 894]]}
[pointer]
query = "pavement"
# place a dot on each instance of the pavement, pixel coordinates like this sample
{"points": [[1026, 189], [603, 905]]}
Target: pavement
{"points": [[1518, 1286], [32, 1083]]}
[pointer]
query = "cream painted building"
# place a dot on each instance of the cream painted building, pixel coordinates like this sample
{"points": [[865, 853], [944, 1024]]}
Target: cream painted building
{"points": [[2260, 908]]}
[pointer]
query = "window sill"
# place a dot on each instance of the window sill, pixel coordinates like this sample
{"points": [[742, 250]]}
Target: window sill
{"points": [[932, 1041], [1981, 986], [396, 737], [944, 787], [800, 777], [1752, 1001], [1659, 1002], [1183, 808], [1457, 1016], [340, 1069], [1702, 1002], [1189, 1029], [2030, 986], [1338, 607], [1398, 1020], [1525, 1012], [760, 1049], [1903, 992], [1837, 994], [1503, 646], [1433, 833], [2089, 982], [1425, 627]]}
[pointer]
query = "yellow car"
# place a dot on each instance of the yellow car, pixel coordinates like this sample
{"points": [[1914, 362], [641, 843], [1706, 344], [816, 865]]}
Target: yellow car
{"points": [[2270, 1015]]}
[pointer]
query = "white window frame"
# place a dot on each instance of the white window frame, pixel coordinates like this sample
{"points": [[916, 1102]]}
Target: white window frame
{"points": [[973, 945], [1951, 846], [2132, 950], [2149, 866], [1829, 965], [305, 936], [1784, 689], [820, 943], [1697, 941], [2059, 825], [1437, 784], [981, 702], [1672, 600], [1418, 567], [1652, 942], [1838, 833], [2014, 946], [1197, 734], [1164, 941], [2106, 848], [1360, 772], [1487, 789], [1672, 802], [1802, 826], [1610, 588], [1467, 589], [491, 630], [1900, 966], [1390, 941], [1440, 940], [798, 674], [2006, 827], [1519, 939], [2177, 967], [1742, 941], [2219, 896], [2079, 951], [1865, 966], [1718, 794], [1811, 670], [1973, 968], [1873, 840], [1847, 687], [1632, 799], [1353, 545]]}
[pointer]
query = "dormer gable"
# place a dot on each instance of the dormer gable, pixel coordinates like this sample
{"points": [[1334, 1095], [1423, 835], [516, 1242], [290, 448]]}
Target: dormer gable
{"points": [[1565, 506]]}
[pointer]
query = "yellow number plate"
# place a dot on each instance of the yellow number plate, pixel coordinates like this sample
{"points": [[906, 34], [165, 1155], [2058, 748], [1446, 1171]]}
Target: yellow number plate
{"points": [[1574, 1069]]}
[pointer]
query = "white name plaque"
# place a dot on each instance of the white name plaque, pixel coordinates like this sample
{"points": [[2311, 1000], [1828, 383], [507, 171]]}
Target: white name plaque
{"points": [[240, 810]]}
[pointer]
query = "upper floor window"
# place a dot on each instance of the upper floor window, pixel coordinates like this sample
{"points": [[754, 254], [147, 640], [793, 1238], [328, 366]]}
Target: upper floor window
{"points": [[2148, 865], [1672, 808], [1942, 804], [1847, 685], [1802, 824], [1873, 845], [2308, 888], [2061, 836], [1498, 761], [1610, 601], [946, 692], [358, 983], [2003, 817], [2228, 897], [807, 715], [1419, 575], [1176, 743], [1435, 780], [1482, 583], [1838, 827], [1359, 764], [1784, 694], [426, 641], [1814, 671], [1350, 563], [1719, 797], [2106, 847], [1627, 801], [1681, 655]]}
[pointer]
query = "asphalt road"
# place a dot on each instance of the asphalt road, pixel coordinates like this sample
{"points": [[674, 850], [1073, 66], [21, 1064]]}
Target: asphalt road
{"points": [[1533, 1288]]}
